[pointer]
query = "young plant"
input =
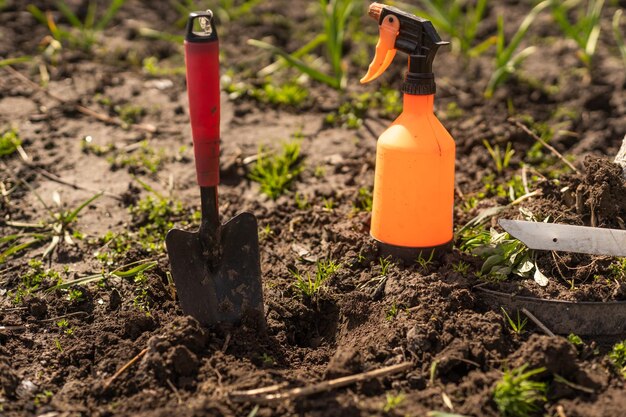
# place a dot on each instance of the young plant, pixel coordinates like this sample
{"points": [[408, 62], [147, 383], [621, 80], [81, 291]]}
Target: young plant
{"points": [[617, 34], [364, 200], [336, 14], [585, 31], [575, 340], [460, 267], [33, 280], [501, 159], [83, 34], [276, 172], [508, 60], [385, 264], [502, 254], [56, 229], [460, 20], [393, 401], [425, 261], [302, 202], [65, 327], [517, 325], [617, 355], [517, 395], [308, 287], [10, 142], [393, 311]]}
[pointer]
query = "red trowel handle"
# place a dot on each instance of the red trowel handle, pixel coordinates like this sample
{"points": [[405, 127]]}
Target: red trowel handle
{"points": [[203, 89]]}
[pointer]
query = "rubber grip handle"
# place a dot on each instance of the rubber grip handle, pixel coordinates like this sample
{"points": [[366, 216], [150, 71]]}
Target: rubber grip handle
{"points": [[203, 90]]}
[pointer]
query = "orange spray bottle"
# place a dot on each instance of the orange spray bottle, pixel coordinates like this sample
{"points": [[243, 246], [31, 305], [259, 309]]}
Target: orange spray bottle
{"points": [[414, 177]]}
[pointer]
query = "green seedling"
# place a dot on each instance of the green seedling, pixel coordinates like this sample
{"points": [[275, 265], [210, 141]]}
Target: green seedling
{"points": [[461, 267], [33, 280], [152, 66], [83, 34], [138, 158], [517, 395], [364, 200], [618, 269], [501, 159], [268, 360], [302, 202], [336, 14], [289, 94], [575, 340], [425, 260], [351, 113], [127, 271], [142, 300], [392, 401], [58, 228], [276, 172], [460, 20], [329, 204], [129, 114], [617, 34], [393, 312], [42, 398], [64, 325], [585, 31], [143, 158], [502, 254], [308, 287], [10, 143], [154, 217], [508, 60], [74, 295], [617, 355], [518, 325], [385, 264]]}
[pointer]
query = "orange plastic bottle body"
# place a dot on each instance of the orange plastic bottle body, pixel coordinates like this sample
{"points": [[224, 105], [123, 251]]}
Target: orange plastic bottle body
{"points": [[414, 180]]}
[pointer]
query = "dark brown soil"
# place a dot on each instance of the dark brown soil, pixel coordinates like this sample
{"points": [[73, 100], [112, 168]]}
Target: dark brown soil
{"points": [[189, 370]]}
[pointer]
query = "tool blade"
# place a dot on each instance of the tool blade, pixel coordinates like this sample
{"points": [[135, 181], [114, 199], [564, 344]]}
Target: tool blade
{"points": [[567, 238]]}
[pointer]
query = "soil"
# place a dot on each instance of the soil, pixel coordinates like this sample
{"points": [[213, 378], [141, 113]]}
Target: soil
{"points": [[364, 318]]}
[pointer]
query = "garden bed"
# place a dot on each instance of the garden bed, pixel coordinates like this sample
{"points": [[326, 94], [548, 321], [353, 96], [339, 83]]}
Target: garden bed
{"points": [[60, 348]]}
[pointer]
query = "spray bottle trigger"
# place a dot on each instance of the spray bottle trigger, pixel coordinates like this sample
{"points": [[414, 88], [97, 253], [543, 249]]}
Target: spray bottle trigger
{"points": [[385, 49]]}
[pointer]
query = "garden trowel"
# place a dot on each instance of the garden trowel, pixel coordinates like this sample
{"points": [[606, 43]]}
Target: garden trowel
{"points": [[216, 270], [567, 238]]}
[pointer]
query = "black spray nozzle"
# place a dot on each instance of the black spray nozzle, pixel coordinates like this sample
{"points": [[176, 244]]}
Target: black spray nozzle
{"points": [[417, 38]]}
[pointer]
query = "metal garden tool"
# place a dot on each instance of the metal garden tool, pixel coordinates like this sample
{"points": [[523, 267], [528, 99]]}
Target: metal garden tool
{"points": [[567, 238], [216, 270]]}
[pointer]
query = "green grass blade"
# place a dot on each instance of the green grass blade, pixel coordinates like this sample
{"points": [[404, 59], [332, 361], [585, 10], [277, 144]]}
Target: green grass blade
{"points": [[594, 28], [311, 72], [78, 281], [90, 17], [13, 61], [617, 34], [109, 14], [17, 248], [69, 15], [72, 216], [143, 266], [38, 14], [306, 49], [482, 47], [523, 28]]}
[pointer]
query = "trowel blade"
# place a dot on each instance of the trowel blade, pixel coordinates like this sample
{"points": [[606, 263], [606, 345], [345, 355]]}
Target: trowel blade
{"points": [[229, 291]]}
